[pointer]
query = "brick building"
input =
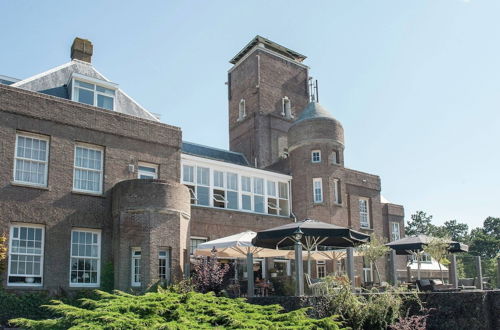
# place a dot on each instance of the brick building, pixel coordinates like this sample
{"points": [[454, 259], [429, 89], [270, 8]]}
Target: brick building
{"points": [[90, 178]]}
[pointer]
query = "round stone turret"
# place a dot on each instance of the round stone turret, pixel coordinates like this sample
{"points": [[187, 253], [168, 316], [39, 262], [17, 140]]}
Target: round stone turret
{"points": [[315, 125]]}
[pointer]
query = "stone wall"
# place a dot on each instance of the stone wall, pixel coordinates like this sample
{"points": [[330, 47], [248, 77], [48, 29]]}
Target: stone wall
{"points": [[451, 310]]}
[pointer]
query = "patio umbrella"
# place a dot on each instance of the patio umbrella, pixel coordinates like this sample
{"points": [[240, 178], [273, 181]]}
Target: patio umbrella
{"points": [[312, 234], [238, 246], [413, 245]]}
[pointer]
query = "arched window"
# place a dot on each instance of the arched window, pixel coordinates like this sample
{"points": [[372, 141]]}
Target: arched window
{"points": [[242, 111], [286, 107]]}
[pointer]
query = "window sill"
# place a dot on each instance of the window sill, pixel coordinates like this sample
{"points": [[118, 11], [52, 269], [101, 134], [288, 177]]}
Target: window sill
{"points": [[27, 185], [367, 229], [88, 193], [79, 287], [319, 203], [240, 210], [24, 286]]}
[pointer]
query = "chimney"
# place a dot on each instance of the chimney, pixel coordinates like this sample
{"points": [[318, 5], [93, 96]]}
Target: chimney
{"points": [[81, 50]]}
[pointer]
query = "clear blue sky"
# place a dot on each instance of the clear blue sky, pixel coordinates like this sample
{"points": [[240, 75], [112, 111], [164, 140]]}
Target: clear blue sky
{"points": [[416, 83]]}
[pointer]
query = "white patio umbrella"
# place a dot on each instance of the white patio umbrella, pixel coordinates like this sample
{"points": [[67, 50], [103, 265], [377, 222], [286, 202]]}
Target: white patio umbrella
{"points": [[239, 246]]}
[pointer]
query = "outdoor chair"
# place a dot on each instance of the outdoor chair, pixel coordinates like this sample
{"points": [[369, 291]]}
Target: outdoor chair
{"points": [[466, 283], [439, 286], [424, 285], [317, 287]]}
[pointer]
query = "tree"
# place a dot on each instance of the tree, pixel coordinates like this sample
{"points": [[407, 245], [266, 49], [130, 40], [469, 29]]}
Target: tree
{"points": [[373, 251], [457, 231], [420, 223], [437, 248], [485, 242]]}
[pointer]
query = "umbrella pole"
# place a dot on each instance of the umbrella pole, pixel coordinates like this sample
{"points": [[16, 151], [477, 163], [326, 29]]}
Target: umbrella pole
{"points": [[250, 287], [299, 270], [309, 262], [418, 266]]}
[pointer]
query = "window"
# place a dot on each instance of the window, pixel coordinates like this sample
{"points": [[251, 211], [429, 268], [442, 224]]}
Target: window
{"points": [[136, 266], [258, 189], [164, 265], [424, 258], [316, 156], [147, 171], [283, 198], [188, 179], [85, 257], [92, 94], [194, 242], [272, 200], [367, 271], [395, 232], [318, 190], [364, 213], [321, 268], [219, 192], [246, 195], [203, 186], [336, 191], [334, 157], [31, 158], [26, 255], [241, 110], [286, 108], [232, 191], [88, 169], [283, 267]]}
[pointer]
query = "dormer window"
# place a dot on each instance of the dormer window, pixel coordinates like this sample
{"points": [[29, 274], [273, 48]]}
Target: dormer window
{"points": [[242, 111], [286, 107], [93, 91]]}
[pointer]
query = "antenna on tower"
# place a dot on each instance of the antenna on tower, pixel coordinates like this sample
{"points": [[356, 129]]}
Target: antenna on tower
{"points": [[311, 90]]}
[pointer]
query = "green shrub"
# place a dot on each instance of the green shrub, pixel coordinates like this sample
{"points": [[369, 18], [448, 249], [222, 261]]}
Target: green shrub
{"points": [[24, 305], [166, 309], [283, 285]]}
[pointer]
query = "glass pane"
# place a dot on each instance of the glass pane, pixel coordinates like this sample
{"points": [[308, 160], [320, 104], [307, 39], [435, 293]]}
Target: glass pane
{"points": [[105, 102], [259, 204], [232, 181], [283, 190], [247, 202], [202, 195], [147, 169], [105, 90], [218, 179], [188, 173], [232, 199], [84, 84], [258, 186], [203, 176], [246, 184], [85, 96], [271, 188]]}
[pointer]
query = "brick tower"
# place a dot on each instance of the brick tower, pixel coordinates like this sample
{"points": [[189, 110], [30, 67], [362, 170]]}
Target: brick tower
{"points": [[268, 89]]}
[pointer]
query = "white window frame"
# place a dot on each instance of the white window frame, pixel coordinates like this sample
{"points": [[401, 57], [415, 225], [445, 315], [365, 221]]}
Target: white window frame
{"points": [[395, 234], [45, 162], [95, 82], [200, 238], [134, 257], [242, 112], [10, 253], [318, 190], [281, 182], [286, 107], [364, 224], [152, 175], [166, 258], [316, 156], [288, 265], [98, 258], [367, 271], [101, 171], [320, 264]]}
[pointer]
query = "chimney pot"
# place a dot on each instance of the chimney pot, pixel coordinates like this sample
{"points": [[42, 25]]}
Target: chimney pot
{"points": [[82, 49]]}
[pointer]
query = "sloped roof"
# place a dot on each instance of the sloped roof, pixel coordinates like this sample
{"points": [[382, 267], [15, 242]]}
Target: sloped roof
{"points": [[269, 45], [54, 82], [214, 153]]}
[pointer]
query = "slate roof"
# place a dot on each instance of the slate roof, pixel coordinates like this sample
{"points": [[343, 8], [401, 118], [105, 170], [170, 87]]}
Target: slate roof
{"points": [[214, 153]]}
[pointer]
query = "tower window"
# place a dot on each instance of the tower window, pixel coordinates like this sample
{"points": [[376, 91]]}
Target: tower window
{"points": [[336, 191], [242, 111], [286, 107], [316, 156], [364, 213], [335, 157], [318, 190]]}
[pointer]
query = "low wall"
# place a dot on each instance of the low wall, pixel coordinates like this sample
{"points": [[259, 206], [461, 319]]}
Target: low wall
{"points": [[452, 310]]}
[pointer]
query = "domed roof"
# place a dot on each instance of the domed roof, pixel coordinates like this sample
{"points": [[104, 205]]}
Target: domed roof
{"points": [[314, 110]]}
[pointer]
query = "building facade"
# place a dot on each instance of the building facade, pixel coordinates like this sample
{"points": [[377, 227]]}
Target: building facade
{"points": [[89, 178]]}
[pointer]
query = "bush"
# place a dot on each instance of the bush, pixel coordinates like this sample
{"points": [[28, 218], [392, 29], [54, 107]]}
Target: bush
{"points": [[166, 309], [24, 305], [209, 275], [374, 310], [283, 285]]}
